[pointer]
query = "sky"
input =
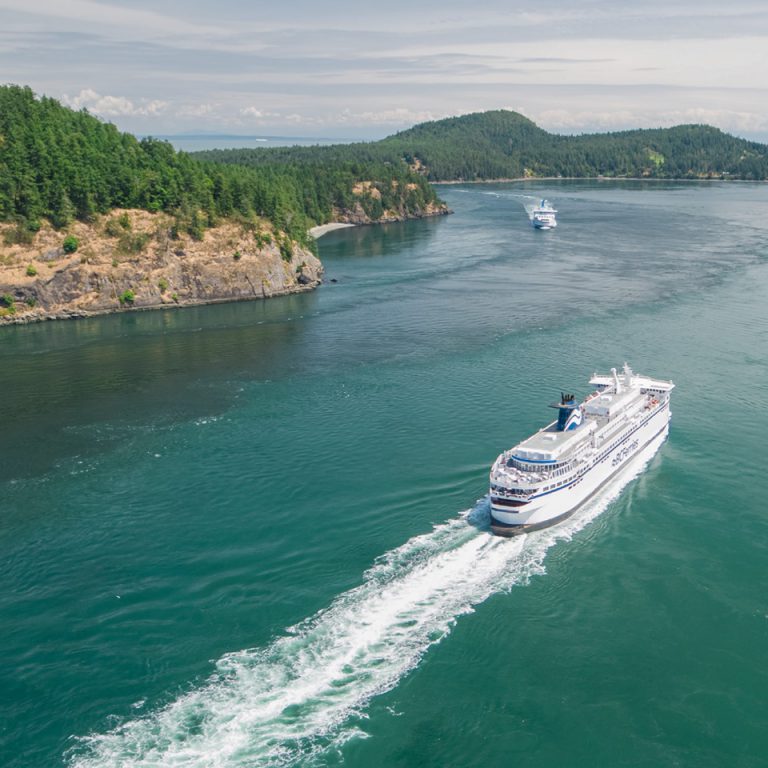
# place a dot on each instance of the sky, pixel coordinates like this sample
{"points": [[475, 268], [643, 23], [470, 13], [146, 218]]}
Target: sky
{"points": [[364, 70]]}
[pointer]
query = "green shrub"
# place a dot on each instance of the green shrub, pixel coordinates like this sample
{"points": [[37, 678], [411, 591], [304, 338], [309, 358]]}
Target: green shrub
{"points": [[286, 249], [124, 220], [70, 244], [196, 231], [7, 305], [21, 234], [237, 255], [113, 228], [162, 284], [31, 301], [133, 243], [127, 297], [175, 297], [31, 270]]}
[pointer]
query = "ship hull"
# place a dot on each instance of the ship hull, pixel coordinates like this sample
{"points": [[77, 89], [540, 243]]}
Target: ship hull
{"points": [[553, 507]]}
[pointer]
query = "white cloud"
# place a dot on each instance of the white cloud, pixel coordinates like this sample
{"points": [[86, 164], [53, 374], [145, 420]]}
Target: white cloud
{"points": [[113, 106], [257, 113], [195, 110], [571, 121], [396, 116], [571, 67]]}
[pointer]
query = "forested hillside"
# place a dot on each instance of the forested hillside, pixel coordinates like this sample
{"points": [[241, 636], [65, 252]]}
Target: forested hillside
{"points": [[502, 144], [61, 165]]}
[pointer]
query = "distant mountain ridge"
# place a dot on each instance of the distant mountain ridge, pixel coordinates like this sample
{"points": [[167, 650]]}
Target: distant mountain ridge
{"points": [[504, 144]]}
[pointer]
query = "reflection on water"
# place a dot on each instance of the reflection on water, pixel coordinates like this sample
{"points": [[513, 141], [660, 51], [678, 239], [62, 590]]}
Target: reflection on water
{"points": [[403, 290], [377, 239], [140, 367]]}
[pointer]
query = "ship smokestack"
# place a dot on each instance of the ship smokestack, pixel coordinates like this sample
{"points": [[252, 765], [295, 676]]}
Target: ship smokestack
{"points": [[566, 406]]}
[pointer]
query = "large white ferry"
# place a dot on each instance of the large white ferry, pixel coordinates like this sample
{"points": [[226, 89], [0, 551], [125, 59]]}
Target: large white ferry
{"points": [[545, 478], [543, 216]]}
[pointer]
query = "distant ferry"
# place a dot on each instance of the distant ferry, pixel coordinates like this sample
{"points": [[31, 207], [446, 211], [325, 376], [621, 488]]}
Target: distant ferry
{"points": [[543, 216], [545, 478]]}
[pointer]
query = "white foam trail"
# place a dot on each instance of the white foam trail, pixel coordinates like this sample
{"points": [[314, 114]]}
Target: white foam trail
{"points": [[303, 694]]}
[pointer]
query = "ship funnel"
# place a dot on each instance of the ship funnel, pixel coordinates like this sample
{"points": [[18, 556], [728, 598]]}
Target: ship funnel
{"points": [[568, 413]]}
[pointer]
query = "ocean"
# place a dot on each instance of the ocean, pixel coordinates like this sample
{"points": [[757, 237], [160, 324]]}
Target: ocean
{"points": [[255, 534]]}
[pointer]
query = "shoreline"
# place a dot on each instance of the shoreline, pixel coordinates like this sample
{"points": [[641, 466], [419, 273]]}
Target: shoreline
{"points": [[323, 229], [30, 318], [655, 179], [41, 281]]}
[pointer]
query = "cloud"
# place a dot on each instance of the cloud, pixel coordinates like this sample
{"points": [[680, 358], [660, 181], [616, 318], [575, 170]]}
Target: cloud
{"points": [[571, 121], [259, 114], [188, 65], [195, 110], [113, 106], [396, 116], [558, 60], [121, 21]]}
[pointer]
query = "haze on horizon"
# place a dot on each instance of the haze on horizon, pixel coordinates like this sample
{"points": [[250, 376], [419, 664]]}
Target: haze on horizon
{"points": [[354, 71]]}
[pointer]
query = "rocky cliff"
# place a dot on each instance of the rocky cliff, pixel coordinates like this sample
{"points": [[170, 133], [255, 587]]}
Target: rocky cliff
{"points": [[358, 214], [137, 260], [376, 202]]}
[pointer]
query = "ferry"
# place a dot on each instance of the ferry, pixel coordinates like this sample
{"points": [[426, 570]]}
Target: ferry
{"points": [[543, 216], [547, 477]]}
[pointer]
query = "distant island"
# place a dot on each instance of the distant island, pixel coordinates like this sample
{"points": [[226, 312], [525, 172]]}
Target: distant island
{"points": [[93, 220], [487, 146]]}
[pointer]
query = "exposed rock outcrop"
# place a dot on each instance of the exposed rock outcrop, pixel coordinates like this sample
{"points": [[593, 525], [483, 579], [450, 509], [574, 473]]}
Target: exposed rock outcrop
{"points": [[145, 264], [396, 203], [358, 215]]}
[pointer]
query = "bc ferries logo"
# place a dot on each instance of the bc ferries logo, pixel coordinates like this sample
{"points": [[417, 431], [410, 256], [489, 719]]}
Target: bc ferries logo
{"points": [[573, 420], [626, 451]]}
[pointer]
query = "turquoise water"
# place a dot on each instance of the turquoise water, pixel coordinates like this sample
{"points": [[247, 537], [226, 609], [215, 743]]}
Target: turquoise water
{"points": [[256, 534]]}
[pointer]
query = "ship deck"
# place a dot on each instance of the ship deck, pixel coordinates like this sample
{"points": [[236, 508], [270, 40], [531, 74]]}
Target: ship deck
{"points": [[549, 444]]}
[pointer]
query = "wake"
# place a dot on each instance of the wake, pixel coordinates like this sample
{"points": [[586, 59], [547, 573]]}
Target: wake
{"points": [[528, 202], [304, 694]]}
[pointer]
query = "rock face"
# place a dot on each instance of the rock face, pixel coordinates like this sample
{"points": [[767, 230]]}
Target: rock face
{"points": [[402, 203], [357, 214], [144, 264]]}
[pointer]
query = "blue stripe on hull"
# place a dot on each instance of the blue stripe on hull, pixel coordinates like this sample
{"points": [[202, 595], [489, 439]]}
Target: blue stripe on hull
{"points": [[515, 529]]}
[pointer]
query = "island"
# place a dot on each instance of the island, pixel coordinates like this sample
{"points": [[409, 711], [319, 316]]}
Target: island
{"points": [[93, 220]]}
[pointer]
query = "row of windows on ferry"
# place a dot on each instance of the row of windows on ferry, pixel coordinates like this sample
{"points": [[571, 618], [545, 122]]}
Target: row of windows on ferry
{"points": [[620, 441], [559, 469], [554, 485], [521, 492]]}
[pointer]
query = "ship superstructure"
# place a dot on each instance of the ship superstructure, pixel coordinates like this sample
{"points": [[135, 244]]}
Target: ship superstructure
{"points": [[543, 216], [546, 477]]}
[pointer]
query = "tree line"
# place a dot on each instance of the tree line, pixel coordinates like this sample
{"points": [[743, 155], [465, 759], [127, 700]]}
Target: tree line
{"points": [[61, 164], [503, 144]]}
